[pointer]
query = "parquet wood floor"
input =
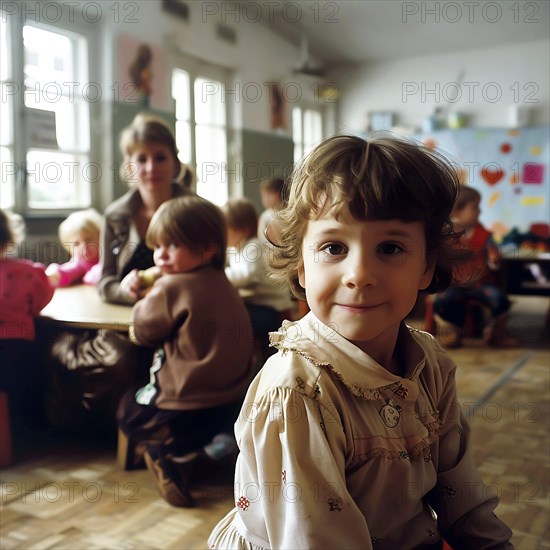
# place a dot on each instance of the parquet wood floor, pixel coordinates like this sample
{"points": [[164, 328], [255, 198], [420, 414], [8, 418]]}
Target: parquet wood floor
{"points": [[72, 494]]}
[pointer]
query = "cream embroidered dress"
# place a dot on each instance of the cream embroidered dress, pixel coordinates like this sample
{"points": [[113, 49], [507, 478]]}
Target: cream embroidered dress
{"points": [[336, 452]]}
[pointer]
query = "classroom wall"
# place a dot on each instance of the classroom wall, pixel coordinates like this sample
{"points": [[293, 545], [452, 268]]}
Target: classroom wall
{"points": [[494, 79], [257, 58]]}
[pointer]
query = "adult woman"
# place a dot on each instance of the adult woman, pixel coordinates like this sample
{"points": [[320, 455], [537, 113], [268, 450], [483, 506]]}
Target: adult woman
{"points": [[92, 368], [154, 173]]}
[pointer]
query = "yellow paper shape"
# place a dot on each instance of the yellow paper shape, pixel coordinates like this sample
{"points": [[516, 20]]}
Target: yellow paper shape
{"points": [[532, 201]]}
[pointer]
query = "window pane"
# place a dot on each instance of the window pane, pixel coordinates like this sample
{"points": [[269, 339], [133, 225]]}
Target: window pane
{"points": [[48, 59], [7, 178], [60, 180], [313, 132], [6, 136], [181, 93], [212, 164], [5, 69], [297, 125], [209, 102], [71, 122]]}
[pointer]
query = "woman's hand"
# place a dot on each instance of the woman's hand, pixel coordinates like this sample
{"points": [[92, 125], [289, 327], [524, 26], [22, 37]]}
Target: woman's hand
{"points": [[131, 284]]}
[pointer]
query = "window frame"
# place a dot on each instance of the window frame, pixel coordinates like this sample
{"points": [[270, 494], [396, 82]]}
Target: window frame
{"points": [[67, 26], [199, 69]]}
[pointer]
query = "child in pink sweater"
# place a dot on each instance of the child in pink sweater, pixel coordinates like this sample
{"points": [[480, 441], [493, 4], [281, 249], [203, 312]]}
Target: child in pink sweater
{"points": [[25, 291], [79, 235]]}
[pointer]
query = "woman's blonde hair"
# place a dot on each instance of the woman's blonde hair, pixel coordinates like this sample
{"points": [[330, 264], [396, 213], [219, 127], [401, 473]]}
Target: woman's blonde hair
{"points": [[146, 129], [381, 178], [193, 222], [89, 221]]}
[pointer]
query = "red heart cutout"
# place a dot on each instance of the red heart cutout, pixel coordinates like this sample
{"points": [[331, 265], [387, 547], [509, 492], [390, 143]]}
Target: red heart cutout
{"points": [[492, 176]]}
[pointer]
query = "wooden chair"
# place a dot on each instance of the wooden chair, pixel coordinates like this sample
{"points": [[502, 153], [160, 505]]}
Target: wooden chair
{"points": [[474, 322]]}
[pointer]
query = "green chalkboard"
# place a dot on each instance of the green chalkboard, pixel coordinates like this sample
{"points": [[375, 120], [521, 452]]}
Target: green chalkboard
{"points": [[263, 156]]}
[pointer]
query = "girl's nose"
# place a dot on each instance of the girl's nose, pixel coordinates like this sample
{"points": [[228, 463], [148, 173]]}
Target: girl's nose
{"points": [[162, 252], [149, 165], [359, 272]]}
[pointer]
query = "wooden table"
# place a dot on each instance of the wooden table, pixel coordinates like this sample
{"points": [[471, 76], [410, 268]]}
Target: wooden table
{"points": [[514, 271], [81, 306]]}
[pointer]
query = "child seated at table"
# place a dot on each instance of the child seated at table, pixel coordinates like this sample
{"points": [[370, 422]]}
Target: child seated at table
{"points": [[25, 292], [200, 327], [266, 300], [79, 235], [479, 280]]}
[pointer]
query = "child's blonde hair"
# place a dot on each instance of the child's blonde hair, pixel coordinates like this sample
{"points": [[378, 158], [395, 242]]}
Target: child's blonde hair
{"points": [[190, 221], [380, 179], [88, 220], [241, 215], [146, 129]]}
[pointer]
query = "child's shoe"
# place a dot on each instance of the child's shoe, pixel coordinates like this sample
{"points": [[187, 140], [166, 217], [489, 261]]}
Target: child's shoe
{"points": [[447, 334], [170, 482]]}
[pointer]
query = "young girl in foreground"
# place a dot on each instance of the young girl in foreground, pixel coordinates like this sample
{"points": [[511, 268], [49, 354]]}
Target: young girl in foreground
{"points": [[351, 436]]}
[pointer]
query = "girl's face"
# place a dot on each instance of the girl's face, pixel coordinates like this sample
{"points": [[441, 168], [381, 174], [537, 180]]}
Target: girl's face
{"points": [[152, 166], [85, 245], [362, 277], [178, 258]]}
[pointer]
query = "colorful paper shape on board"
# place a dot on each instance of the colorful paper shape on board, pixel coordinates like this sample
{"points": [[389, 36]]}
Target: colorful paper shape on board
{"points": [[535, 150], [492, 175], [533, 173], [532, 201], [493, 198], [514, 178], [513, 133], [505, 148]]}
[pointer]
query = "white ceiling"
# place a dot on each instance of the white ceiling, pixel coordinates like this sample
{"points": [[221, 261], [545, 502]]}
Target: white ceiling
{"points": [[357, 31]]}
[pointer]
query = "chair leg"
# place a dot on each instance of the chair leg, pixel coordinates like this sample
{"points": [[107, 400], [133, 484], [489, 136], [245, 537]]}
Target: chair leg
{"points": [[6, 448], [125, 451]]}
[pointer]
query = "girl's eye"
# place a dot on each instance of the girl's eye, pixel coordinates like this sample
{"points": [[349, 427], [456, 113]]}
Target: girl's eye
{"points": [[160, 158], [390, 249], [333, 249]]}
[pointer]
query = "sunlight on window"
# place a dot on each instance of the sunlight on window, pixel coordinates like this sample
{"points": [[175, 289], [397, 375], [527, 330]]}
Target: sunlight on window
{"points": [[181, 94], [58, 178]]}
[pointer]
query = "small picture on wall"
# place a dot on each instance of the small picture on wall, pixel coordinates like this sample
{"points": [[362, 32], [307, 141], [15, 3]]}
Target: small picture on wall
{"points": [[142, 77]]}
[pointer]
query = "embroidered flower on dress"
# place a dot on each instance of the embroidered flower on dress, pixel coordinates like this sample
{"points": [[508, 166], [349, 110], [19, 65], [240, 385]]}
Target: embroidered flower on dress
{"points": [[243, 503], [334, 505], [450, 491]]}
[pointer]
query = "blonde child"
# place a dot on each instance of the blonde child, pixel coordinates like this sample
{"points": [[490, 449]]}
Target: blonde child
{"points": [[351, 436], [479, 276], [200, 327], [266, 299], [79, 235], [25, 292]]}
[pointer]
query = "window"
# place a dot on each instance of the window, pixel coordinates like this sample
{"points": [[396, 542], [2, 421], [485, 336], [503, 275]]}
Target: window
{"points": [[43, 77], [307, 130], [201, 128]]}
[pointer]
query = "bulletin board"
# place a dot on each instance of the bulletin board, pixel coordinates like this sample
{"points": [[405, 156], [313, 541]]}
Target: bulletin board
{"points": [[509, 167]]}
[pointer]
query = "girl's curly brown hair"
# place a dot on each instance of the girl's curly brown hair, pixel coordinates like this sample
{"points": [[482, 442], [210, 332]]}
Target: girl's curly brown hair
{"points": [[381, 178]]}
